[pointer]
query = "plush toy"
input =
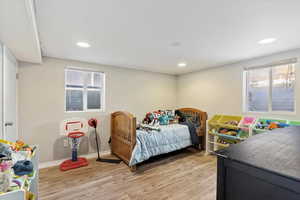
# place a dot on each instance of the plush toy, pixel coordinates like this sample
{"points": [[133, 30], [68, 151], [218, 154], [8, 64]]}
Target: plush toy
{"points": [[5, 152], [155, 121], [163, 119], [148, 118], [23, 167]]}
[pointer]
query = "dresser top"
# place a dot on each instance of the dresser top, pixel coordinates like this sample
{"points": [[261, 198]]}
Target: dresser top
{"points": [[277, 151]]}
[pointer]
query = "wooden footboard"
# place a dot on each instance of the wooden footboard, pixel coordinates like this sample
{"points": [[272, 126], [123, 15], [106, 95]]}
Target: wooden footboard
{"points": [[123, 135]]}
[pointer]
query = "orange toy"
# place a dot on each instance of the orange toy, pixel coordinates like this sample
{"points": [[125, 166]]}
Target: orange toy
{"points": [[273, 125]]}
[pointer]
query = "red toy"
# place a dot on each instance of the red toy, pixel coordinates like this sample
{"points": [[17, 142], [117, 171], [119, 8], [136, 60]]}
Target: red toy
{"points": [[75, 137]]}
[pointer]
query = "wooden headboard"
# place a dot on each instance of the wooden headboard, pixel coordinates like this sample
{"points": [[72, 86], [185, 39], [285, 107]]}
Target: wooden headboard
{"points": [[203, 118]]}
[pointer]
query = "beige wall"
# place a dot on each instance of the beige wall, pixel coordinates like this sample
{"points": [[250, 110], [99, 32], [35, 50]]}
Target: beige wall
{"points": [[41, 97], [220, 90], [41, 102]]}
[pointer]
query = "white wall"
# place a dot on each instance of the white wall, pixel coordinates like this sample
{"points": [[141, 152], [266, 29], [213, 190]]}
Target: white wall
{"points": [[41, 101], [220, 90]]}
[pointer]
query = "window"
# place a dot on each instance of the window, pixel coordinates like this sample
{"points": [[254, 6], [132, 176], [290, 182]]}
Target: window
{"points": [[84, 90], [270, 89]]}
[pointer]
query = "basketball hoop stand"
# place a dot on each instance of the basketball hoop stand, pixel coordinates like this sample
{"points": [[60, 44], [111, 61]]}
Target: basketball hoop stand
{"points": [[75, 162]]}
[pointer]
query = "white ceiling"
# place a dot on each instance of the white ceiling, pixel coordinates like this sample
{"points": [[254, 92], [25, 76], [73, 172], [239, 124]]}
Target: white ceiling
{"points": [[141, 33], [18, 29]]}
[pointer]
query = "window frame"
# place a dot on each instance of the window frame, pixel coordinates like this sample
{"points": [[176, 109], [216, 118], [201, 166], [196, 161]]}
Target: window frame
{"points": [[85, 91], [270, 111]]}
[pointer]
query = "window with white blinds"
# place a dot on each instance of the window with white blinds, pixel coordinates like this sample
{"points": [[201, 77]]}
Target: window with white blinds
{"points": [[84, 90], [270, 89]]}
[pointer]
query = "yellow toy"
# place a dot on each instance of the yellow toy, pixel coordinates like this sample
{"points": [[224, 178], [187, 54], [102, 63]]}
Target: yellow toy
{"points": [[17, 146]]}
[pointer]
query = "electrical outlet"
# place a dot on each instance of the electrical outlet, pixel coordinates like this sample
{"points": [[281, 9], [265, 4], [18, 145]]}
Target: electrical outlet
{"points": [[66, 144]]}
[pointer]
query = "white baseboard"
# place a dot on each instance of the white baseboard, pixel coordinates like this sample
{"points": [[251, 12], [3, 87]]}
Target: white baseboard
{"points": [[58, 162]]}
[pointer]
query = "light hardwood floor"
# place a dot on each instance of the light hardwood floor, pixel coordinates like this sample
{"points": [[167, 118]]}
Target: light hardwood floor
{"points": [[184, 175]]}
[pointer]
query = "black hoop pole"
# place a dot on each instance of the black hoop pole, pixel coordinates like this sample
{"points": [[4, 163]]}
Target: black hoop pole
{"points": [[98, 150]]}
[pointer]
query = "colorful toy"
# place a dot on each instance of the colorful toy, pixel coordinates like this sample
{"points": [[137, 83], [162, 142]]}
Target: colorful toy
{"points": [[232, 122], [270, 125], [273, 125], [229, 131], [163, 119]]}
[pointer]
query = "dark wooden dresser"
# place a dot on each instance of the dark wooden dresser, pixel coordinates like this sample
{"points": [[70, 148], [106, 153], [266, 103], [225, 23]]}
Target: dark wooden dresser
{"points": [[265, 167]]}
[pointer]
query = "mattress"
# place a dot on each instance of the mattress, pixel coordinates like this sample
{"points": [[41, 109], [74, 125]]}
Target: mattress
{"points": [[152, 143]]}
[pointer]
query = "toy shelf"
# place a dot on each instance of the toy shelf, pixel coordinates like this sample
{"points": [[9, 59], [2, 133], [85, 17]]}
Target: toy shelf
{"points": [[228, 129], [28, 188], [246, 127]]}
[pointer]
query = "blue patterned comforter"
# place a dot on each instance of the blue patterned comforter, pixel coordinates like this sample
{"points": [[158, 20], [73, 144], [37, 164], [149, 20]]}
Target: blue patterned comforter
{"points": [[170, 138]]}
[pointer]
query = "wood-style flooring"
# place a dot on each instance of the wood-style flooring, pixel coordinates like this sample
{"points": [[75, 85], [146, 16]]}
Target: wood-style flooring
{"points": [[183, 175]]}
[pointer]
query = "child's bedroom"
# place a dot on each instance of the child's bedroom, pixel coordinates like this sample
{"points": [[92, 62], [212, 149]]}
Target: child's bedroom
{"points": [[149, 100]]}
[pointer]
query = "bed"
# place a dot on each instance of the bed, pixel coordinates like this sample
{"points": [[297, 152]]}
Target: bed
{"points": [[132, 145]]}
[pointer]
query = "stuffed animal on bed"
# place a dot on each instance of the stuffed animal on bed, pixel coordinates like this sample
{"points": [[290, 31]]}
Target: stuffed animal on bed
{"points": [[163, 119], [148, 118], [158, 117]]}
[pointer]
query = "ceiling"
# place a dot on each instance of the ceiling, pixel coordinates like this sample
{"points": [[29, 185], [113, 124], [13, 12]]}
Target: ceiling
{"points": [[18, 29], [156, 35]]}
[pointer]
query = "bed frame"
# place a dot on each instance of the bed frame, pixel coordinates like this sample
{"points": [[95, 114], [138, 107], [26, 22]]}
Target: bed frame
{"points": [[123, 132]]}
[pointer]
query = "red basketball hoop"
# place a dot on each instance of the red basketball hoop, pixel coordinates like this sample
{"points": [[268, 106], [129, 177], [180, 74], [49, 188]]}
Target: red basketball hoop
{"points": [[75, 135]]}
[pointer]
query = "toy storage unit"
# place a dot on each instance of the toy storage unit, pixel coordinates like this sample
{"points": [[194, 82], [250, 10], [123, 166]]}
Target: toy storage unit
{"points": [[224, 130], [28, 183], [246, 127]]}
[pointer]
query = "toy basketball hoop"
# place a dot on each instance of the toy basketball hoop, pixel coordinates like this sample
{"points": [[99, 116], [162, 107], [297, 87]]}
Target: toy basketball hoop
{"points": [[74, 135]]}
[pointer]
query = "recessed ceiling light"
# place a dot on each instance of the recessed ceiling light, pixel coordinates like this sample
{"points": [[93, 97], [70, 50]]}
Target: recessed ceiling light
{"points": [[83, 44], [181, 64], [267, 41], [175, 44]]}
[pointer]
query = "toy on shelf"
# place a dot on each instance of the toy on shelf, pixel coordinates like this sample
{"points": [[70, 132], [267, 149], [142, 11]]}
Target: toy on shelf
{"points": [[263, 125], [74, 131], [247, 122]]}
